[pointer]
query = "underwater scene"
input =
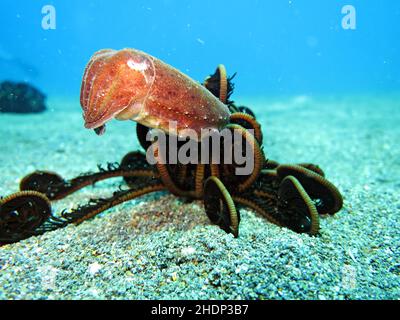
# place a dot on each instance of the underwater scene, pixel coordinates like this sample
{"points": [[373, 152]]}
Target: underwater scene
{"points": [[200, 150]]}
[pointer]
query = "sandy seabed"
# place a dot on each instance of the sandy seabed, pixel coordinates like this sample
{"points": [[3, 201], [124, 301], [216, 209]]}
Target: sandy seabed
{"points": [[160, 247]]}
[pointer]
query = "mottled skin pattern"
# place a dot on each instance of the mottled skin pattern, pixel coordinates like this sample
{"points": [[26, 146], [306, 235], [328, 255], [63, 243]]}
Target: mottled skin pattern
{"points": [[176, 97], [109, 85], [130, 84]]}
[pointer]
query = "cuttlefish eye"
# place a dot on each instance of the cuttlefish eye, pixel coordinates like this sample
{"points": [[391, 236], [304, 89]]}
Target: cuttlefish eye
{"points": [[114, 82]]}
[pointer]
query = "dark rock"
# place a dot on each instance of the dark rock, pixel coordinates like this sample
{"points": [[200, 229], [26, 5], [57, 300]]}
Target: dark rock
{"points": [[21, 98]]}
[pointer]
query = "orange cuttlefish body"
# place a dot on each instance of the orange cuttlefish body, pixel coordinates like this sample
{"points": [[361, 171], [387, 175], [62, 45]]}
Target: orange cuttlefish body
{"points": [[130, 84]]}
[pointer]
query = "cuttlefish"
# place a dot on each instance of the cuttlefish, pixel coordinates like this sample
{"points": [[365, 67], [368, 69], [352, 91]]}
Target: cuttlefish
{"points": [[131, 84]]}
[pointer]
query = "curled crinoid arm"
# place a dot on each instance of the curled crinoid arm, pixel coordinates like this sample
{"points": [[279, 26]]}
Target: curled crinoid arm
{"points": [[183, 180], [168, 174], [313, 167], [135, 162], [246, 110], [21, 214], [220, 85], [296, 209], [266, 185], [326, 196], [214, 170], [265, 206], [165, 175], [220, 207], [240, 182], [183, 175], [45, 182], [217, 83], [262, 197], [199, 179], [284, 203], [273, 164], [248, 122]]}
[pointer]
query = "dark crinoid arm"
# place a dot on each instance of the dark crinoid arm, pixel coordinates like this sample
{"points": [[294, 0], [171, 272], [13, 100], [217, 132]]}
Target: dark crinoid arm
{"points": [[132, 166], [28, 213], [293, 196], [96, 206]]}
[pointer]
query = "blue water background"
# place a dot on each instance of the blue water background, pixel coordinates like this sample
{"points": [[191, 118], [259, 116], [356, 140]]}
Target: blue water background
{"points": [[277, 48]]}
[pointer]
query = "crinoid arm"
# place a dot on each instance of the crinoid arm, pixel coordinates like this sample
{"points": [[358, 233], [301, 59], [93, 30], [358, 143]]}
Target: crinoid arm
{"points": [[28, 213], [240, 182], [41, 181], [97, 206], [248, 122], [221, 86], [22, 214], [313, 167], [133, 166], [246, 110], [325, 195], [217, 83], [282, 202], [220, 207], [297, 210], [173, 176]]}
